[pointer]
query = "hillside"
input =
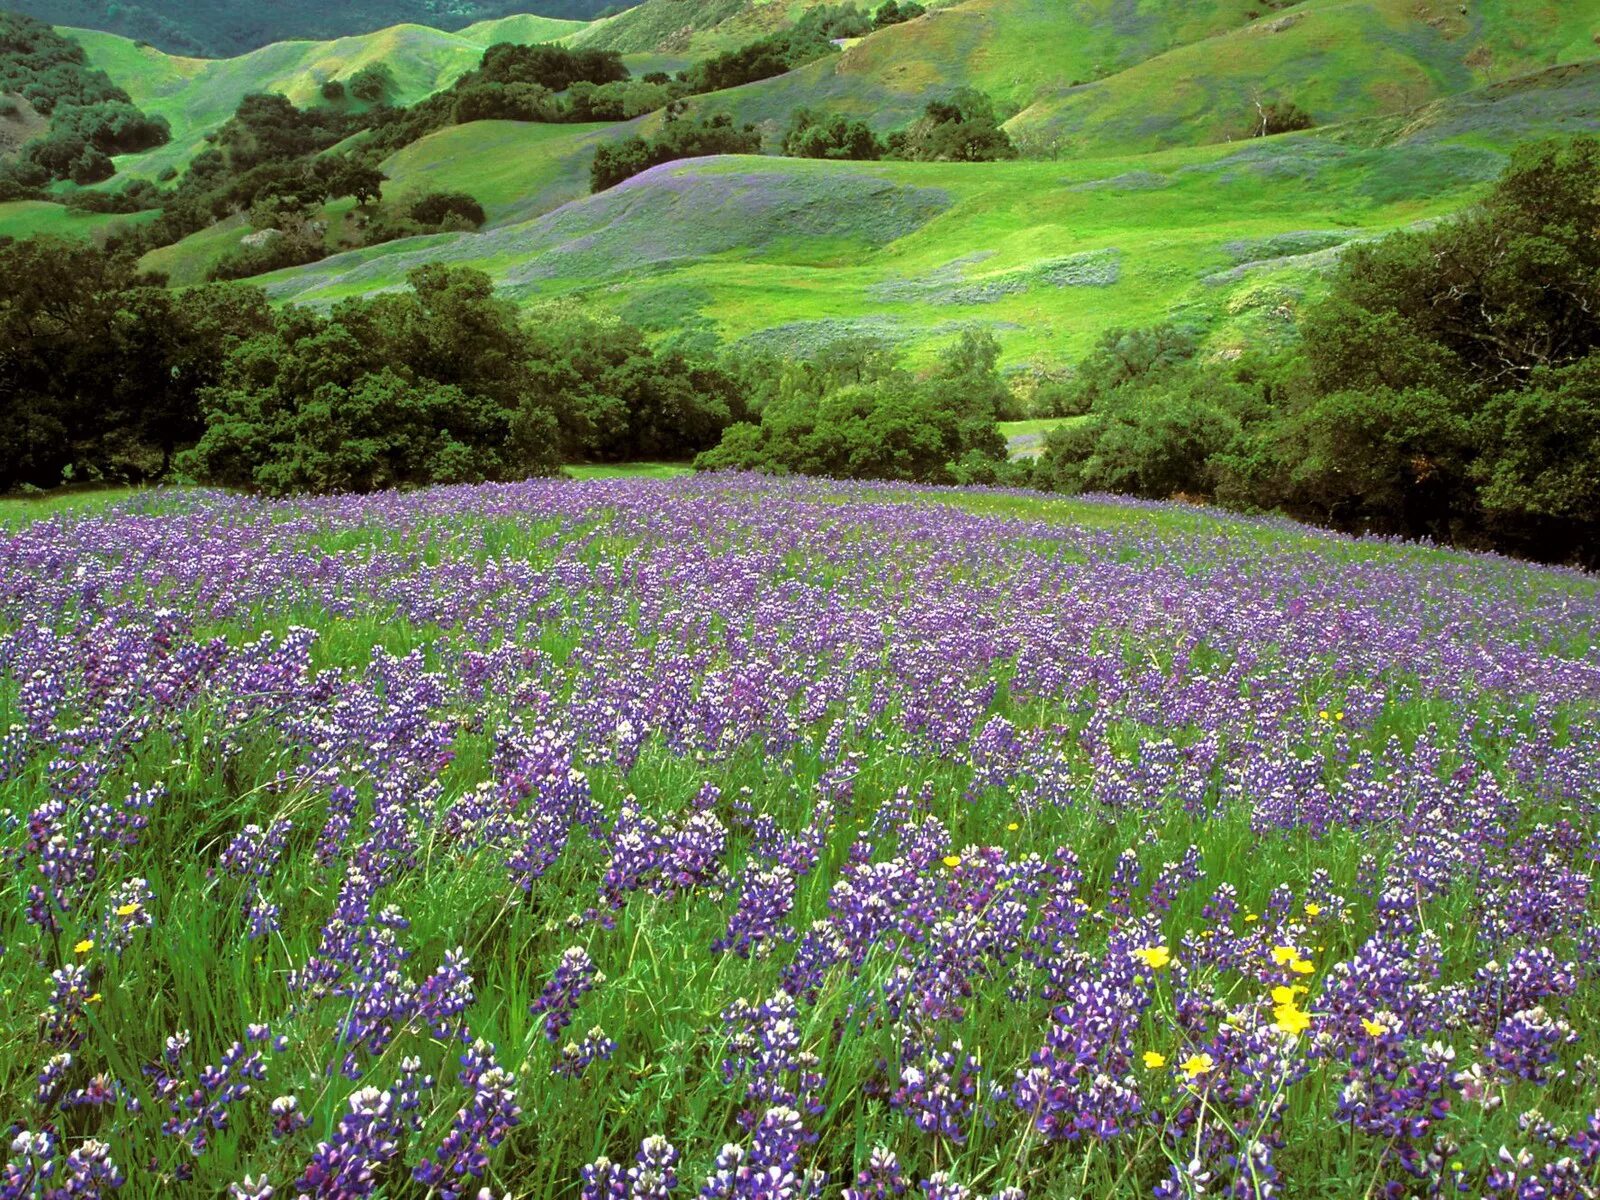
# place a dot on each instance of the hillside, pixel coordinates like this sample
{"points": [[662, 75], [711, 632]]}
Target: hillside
{"points": [[219, 28], [1135, 201], [791, 254], [198, 95]]}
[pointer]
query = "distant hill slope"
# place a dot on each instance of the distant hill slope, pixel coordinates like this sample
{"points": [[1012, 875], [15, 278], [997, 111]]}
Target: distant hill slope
{"points": [[1107, 76], [197, 95], [219, 28], [791, 254], [1337, 59]]}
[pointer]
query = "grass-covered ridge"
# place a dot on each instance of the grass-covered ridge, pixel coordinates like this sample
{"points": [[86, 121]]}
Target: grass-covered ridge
{"points": [[882, 837]]}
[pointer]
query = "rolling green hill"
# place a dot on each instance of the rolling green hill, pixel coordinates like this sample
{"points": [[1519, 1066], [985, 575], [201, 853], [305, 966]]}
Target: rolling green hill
{"points": [[198, 95], [790, 254], [1338, 59], [1118, 77]]}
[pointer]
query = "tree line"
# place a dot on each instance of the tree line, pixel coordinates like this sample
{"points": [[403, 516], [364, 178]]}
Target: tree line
{"points": [[1447, 387], [107, 376]]}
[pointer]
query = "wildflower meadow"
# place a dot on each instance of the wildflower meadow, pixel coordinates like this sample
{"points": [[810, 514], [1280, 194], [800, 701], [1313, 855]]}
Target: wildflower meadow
{"points": [[734, 839]]}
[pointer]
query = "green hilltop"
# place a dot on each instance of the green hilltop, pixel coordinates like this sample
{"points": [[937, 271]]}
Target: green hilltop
{"points": [[1139, 195]]}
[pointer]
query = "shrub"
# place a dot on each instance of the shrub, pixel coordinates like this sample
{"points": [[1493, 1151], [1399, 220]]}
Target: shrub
{"points": [[441, 209], [1157, 441], [817, 135], [680, 137], [891, 12], [870, 421], [1280, 116], [963, 128], [1120, 356], [372, 83]]}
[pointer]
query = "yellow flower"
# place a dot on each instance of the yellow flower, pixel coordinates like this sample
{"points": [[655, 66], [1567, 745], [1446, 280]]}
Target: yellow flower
{"points": [[1313, 910], [84, 946], [1197, 1065], [1323, 714], [1154, 1061], [952, 861], [1339, 716], [94, 999], [1013, 827], [1250, 917], [127, 910], [1285, 955], [1154, 957], [1373, 1028], [1291, 1019], [1301, 967], [1285, 993]]}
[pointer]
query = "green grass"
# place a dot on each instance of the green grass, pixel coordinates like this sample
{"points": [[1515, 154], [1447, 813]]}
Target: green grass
{"points": [[637, 470], [1025, 439], [36, 218], [515, 169], [16, 511]]}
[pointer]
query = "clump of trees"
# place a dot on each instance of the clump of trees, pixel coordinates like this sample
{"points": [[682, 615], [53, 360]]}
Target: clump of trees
{"points": [[857, 413], [808, 39], [102, 367], [961, 128], [91, 118], [681, 136], [821, 135], [892, 12], [1280, 116], [1447, 387], [107, 375]]}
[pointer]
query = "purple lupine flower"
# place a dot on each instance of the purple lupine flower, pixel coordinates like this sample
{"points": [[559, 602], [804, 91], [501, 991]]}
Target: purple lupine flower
{"points": [[880, 1179], [770, 1169], [1528, 1044], [575, 976], [482, 1125], [575, 1058], [765, 901], [347, 1166]]}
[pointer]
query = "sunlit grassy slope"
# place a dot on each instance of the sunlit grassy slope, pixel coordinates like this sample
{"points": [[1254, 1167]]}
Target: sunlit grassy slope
{"points": [[32, 218], [1338, 59], [790, 254], [198, 95]]}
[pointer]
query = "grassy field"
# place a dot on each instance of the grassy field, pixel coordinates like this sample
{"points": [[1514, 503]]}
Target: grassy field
{"points": [[34, 218], [638, 470], [949, 844]]}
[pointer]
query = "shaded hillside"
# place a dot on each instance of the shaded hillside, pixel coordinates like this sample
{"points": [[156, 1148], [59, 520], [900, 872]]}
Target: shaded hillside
{"points": [[217, 28]]}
